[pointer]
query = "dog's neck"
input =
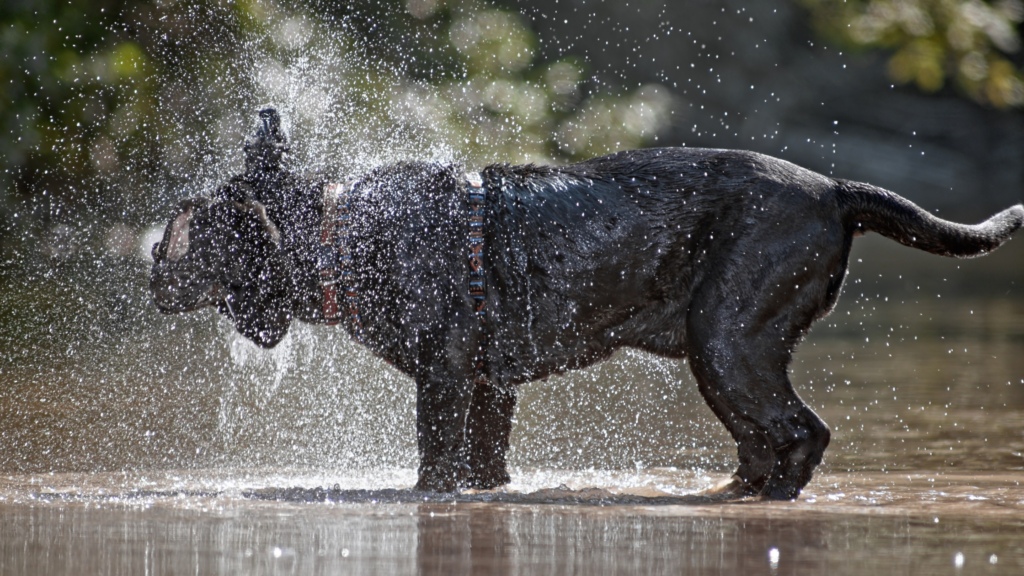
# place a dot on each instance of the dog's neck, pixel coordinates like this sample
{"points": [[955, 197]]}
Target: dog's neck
{"points": [[335, 266]]}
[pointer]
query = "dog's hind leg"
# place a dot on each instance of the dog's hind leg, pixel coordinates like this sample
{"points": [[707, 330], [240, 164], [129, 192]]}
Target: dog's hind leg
{"points": [[741, 328], [487, 434], [756, 457]]}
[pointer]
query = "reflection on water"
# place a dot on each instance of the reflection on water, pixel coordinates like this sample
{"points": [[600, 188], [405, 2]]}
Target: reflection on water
{"points": [[845, 524]]}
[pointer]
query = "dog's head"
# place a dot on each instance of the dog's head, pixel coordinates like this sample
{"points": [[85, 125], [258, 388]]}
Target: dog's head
{"points": [[225, 254]]}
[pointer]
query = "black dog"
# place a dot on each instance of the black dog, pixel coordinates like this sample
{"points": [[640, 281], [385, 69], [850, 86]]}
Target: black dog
{"points": [[724, 257]]}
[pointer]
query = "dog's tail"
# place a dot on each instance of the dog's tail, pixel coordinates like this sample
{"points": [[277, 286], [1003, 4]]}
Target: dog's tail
{"points": [[868, 208]]}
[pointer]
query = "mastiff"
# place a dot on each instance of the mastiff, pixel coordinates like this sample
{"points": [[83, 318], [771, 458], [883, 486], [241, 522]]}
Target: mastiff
{"points": [[473, 284]]}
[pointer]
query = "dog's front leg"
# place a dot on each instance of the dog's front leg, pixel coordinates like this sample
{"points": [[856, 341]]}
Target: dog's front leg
{"points": [[487, 433], [442, 404]]}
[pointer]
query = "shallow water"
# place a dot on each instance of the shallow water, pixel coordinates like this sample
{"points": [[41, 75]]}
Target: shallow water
{"points": [[214, 522], [126, 448]]}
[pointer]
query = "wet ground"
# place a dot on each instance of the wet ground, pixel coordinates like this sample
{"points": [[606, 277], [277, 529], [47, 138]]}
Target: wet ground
{"points": [[166, 446]]}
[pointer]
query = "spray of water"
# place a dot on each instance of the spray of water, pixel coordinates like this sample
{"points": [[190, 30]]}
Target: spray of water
{"points": [[139, 391]]}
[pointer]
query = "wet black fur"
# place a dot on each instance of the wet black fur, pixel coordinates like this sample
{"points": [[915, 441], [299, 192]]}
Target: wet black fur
{"points": [[723, 257]]}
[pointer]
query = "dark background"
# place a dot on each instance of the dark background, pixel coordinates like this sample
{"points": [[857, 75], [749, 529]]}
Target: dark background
{"points": [[838, 115]]}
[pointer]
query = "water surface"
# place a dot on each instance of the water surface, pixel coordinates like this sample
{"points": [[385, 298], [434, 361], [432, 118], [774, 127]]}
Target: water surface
{"points": [[849, 523]]}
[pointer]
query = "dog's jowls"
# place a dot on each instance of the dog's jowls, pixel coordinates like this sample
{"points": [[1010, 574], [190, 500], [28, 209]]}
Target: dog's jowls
{"points": [[723, 257]]}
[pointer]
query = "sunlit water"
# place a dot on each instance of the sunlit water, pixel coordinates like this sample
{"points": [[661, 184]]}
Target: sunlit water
{"points": [[176, 522]]}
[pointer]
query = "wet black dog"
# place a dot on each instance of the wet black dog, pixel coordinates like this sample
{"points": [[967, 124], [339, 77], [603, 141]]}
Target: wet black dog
{"points": [[724, 257]]}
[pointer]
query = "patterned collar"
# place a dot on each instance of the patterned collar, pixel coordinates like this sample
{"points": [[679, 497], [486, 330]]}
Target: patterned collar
{"points": [[335, 257]]}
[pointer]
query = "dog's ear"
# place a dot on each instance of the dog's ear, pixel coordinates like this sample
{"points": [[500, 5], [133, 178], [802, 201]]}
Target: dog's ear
{"points": [[228, 254], [178, 241], [257, 277], [183, 278]]}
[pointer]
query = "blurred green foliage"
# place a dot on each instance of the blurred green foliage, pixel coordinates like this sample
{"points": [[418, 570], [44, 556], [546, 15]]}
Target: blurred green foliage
{"points": [[110, 110], [968, 43]]}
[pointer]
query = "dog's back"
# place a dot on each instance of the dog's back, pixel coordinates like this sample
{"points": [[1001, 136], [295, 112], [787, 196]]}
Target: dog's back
{"points": [[605, 253]]}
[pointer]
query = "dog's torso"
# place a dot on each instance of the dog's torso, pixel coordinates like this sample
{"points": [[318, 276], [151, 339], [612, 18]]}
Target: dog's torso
{"points": [[580, 259]]}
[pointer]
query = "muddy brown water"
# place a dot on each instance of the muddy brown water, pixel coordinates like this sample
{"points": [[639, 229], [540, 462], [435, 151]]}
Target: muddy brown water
{"points": [[167, 446]]}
